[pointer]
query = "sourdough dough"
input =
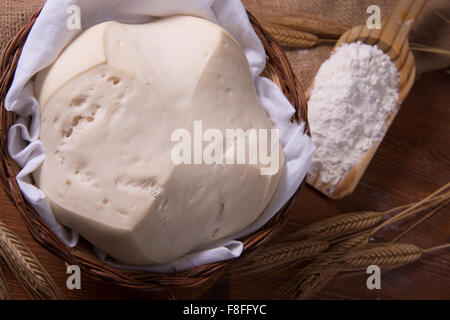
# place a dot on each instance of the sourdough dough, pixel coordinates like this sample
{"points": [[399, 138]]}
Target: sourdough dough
{"points": [[109, 105]]}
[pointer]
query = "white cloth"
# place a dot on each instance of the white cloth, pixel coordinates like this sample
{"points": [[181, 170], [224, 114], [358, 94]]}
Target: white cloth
{"points": [[50, 35]]}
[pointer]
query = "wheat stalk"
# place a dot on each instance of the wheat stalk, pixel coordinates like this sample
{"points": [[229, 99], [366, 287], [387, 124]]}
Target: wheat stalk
{"points": [[292, 32], [316, 275], [384, 255], [291, 38], [4, 289], [429, 49], [348, 237], [440, 15], [25, 266], [389, 255], [346, 232], [439, 196], [427, 216], [320, 272], [289, 252], [274, 256], [330, 258], [346, 225], [339, 225]]}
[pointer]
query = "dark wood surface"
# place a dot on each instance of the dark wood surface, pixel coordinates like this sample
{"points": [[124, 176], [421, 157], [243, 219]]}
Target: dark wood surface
{"points": [[412, 162]]}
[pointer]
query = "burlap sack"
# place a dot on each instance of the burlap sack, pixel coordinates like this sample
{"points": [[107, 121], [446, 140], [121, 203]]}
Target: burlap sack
{"points": [[13, 15], [430, 29]]}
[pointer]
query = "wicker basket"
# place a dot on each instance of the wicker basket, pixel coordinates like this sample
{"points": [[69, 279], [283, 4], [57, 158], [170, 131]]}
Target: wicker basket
{"points": [[278, 69]]}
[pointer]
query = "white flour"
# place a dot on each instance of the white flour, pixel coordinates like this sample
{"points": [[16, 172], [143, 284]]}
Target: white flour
{"points": [[354, 92]]}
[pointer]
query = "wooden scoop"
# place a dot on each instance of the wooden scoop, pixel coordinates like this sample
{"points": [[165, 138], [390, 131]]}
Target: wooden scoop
{"points": [[392, 38]]}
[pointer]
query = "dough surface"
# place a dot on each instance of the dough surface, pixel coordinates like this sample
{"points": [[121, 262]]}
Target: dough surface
{"points": [[109, 105]]}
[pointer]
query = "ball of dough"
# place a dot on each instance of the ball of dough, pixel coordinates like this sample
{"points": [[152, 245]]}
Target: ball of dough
{"points": [[109, 105]]}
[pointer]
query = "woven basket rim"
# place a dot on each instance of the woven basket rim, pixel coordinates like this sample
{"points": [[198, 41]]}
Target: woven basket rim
{"points": [[277, 69]]}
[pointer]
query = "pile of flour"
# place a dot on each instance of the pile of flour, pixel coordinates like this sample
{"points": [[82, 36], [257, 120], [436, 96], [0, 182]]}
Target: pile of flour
{"points": [[354, 92]]}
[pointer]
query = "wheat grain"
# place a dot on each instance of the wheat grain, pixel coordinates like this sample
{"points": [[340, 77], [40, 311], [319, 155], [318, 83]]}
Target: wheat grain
{"points": [[290, 38], [25, 266]]}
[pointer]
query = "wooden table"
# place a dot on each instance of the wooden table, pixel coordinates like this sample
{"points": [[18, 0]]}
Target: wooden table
{"points": [[412, 162]]}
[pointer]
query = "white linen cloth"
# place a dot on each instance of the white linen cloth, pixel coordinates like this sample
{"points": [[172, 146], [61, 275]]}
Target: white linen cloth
{"points": [[50, 35]]}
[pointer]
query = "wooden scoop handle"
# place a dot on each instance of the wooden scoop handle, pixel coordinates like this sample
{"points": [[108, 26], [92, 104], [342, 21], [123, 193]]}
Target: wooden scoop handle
{"points": [[396, 28], [394, 32]]}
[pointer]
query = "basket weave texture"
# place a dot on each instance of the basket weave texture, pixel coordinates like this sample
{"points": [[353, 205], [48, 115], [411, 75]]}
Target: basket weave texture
{"points": [[278, 69]]}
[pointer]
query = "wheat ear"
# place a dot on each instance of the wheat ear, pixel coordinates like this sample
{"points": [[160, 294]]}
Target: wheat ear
{"points": [[384, 255], [318, 273], [290, 38], [281, 254], [340, 225], [25, 266], [4, 289]]}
